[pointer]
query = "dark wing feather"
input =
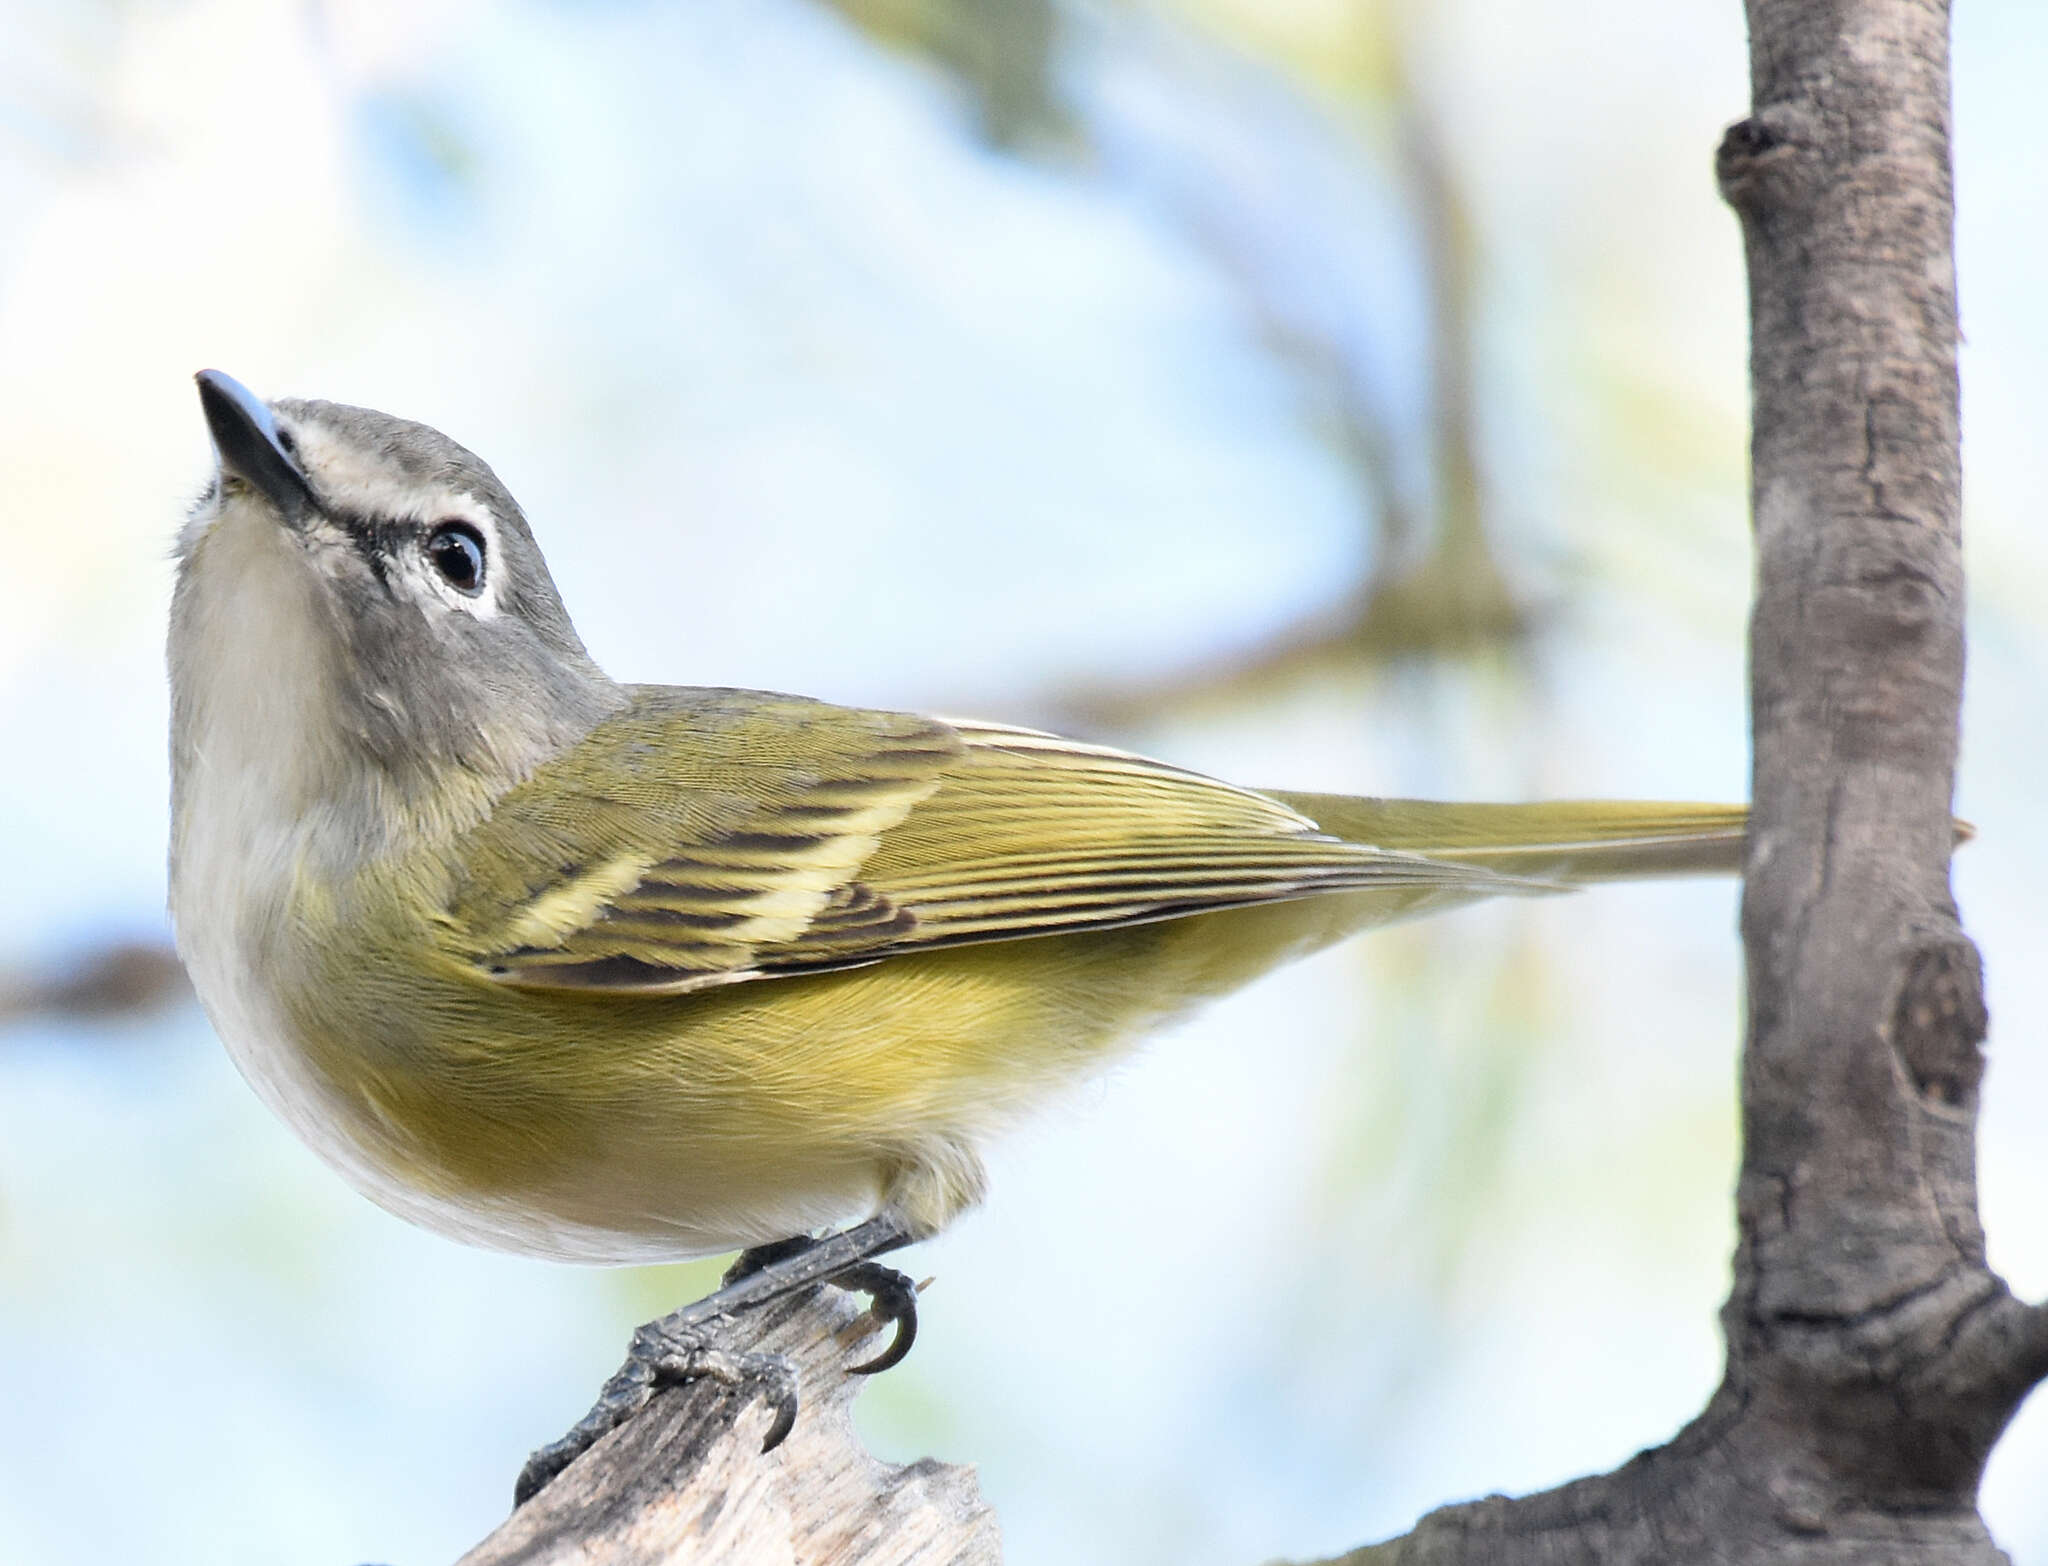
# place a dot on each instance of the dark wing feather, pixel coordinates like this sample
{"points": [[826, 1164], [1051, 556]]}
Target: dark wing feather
{"points": [[687, 834]]}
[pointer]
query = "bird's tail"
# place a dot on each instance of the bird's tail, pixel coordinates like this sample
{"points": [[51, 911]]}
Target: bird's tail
{"points": [[1574, 840]]}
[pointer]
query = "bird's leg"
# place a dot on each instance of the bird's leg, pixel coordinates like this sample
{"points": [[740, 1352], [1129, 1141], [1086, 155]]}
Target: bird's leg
{"points": [[685, 1344], [847, 1258]]}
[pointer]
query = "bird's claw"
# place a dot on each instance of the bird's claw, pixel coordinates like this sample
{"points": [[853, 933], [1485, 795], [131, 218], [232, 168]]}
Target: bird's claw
{"points": [[892, 1300]]}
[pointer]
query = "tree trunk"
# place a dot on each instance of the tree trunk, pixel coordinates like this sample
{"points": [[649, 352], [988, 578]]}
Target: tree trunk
{"points": [[1873, 1358]]}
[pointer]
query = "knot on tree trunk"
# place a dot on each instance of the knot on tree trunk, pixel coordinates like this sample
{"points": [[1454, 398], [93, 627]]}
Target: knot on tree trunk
{"points": [[1766, 162], [1939, 1021]]}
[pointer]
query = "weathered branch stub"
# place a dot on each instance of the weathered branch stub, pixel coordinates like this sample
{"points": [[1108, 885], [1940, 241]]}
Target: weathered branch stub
{"points": [[685, 1482]]}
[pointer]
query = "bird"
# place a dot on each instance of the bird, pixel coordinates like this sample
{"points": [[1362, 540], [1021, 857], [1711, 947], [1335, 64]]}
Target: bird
{"points": [[616, 973]]}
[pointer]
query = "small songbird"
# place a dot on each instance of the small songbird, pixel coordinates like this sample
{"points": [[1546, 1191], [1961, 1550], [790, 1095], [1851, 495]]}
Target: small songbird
{"points": [[628, 973]]}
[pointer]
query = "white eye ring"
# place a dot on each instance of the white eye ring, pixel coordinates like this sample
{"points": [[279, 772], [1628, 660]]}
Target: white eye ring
{"points": [[457, 553]]}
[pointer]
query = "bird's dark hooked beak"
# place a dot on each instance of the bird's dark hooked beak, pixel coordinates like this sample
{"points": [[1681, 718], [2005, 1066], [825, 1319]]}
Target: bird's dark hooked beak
{"points": [[246, 439]]}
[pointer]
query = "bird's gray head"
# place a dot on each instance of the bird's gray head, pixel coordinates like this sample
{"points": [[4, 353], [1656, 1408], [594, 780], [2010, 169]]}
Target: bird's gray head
{"points": [[362, 593]]}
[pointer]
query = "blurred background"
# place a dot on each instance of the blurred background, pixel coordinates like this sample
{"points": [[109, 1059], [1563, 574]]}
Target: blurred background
{"points": [[1343, 394]]}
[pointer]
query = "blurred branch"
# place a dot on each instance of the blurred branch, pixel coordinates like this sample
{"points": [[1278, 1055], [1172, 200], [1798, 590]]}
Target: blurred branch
{"points": [[131, 978], [1433, 587], [1454, 600], [1457, 598], [685, 1480], [1000, 51]]}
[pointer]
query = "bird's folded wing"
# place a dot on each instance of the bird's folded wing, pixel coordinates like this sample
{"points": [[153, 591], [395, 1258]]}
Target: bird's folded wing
{"points": [[704, 837]]}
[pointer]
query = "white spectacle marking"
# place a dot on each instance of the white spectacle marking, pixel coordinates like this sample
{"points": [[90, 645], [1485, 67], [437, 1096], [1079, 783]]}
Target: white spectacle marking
{"points": [[362, 482]]}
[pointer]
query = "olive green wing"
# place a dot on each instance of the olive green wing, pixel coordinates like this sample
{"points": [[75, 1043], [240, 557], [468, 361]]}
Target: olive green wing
{"points": [[1030, 834], [685, 836], [709, 837]]}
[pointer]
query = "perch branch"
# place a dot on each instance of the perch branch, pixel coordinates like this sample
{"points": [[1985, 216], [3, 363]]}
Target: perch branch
{"points": [[685, 1481]]}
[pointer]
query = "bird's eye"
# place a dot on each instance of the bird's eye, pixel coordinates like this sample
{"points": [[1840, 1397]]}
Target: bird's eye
{"points": [[457, 552]]}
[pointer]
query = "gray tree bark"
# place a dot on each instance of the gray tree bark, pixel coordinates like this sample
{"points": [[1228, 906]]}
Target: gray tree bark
{"points": [[1872, 1356]]}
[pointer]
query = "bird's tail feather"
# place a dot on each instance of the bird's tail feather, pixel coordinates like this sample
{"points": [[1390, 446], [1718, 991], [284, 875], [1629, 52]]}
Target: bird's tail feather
{"points": [[1574, 840]]}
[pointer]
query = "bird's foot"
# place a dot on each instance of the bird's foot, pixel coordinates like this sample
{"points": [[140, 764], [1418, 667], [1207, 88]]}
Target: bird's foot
{"points": [[892, 1297], [691, 1342], [664, 1353]]}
